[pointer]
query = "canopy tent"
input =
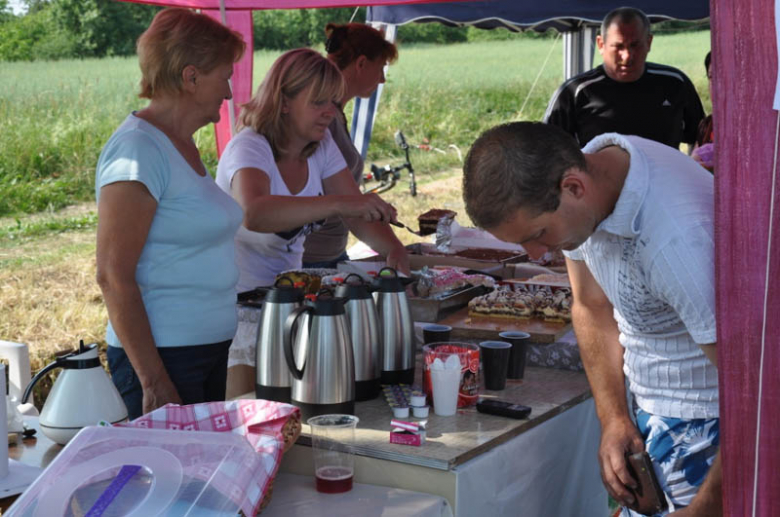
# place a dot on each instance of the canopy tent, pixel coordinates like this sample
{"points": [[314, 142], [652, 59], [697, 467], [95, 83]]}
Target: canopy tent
{"points": [[745, 65], [569, 17], [578, 21]]}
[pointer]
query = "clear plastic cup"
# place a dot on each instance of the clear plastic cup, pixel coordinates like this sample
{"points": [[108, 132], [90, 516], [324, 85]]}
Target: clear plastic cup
{"points": [[332, 441]]}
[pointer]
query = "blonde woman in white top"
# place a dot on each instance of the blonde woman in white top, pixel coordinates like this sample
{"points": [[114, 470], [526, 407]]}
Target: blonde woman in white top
{"points": [[287, 174]]}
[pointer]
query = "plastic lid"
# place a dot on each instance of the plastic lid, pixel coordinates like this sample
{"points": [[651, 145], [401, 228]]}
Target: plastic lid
{"points": [[284, 294], [174, 465]]}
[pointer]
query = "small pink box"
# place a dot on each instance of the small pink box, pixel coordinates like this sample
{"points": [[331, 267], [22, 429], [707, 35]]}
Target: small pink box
{"points": [[407, 433]]}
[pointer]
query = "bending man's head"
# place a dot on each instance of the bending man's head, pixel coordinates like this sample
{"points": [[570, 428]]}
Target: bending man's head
{"points": [[514, 181], [517, 165]]}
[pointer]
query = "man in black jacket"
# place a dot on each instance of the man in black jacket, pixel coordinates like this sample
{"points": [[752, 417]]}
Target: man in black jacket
{"points": [[627, 94]]}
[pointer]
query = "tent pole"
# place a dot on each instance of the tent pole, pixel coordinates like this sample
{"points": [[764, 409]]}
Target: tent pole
{"points": [[578, 48], [231, 106]]}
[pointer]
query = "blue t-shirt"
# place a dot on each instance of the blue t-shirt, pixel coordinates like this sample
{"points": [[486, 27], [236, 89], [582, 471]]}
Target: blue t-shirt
{"points": [[187, 270]]}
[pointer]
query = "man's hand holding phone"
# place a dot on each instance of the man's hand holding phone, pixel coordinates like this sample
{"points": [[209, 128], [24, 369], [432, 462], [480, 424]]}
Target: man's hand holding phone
{"points": [[618, 438]]}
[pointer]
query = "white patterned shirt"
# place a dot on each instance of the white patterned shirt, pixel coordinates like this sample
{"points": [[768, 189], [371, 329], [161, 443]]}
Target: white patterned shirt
{"points": [[654, 258]]}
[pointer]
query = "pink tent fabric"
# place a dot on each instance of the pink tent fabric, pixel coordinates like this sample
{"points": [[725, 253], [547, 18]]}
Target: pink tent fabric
{"points": [[745, 68], [277, 4], [240, 21]]}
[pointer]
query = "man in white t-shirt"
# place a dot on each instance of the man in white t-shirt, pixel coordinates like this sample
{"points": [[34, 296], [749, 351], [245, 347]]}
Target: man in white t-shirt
{"points": [[635, 220]]}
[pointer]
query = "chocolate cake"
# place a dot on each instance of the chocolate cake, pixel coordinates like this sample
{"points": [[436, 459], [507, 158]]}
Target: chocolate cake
{"points": [[430, 219]]}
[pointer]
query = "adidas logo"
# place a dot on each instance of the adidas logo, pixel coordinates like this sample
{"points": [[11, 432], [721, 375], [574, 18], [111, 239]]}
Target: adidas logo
{"points": [[666, 103]]}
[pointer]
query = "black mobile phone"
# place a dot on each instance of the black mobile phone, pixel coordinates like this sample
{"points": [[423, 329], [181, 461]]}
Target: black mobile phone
{"points": [[503, 408], [649, 497]]}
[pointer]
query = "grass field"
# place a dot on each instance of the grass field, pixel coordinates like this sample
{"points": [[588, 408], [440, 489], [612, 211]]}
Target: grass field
{"points": [[55, 117]]}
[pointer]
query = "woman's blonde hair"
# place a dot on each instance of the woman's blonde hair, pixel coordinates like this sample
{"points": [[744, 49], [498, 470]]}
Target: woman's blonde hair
{"points": [[178, 38], [292, 73]]}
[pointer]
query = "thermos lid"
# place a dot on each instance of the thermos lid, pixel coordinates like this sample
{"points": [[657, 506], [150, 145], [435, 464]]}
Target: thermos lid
{"points": [[388, 281], [353, 289], [284, 292], [326, 304]]}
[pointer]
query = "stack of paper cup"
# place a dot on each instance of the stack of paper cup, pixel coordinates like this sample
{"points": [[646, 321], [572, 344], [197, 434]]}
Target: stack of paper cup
{"points": [[445, 378]]}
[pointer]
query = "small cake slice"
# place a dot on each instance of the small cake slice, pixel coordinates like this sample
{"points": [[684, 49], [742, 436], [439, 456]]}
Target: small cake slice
{"points": [[430, 219]]}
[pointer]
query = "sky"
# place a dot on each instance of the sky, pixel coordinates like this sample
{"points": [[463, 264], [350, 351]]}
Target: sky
{"points": [[17, 6]]}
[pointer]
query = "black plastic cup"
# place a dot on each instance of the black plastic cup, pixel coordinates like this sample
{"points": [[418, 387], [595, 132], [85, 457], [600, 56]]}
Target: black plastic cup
{"points": [[518, 340], [495, 360], [435, 333]]}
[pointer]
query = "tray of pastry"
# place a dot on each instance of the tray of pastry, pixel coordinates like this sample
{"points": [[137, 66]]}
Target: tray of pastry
{"points": [[543, 312]]}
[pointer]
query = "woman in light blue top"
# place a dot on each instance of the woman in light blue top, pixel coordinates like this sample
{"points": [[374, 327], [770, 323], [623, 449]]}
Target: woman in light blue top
{"points": [[165, 253]]}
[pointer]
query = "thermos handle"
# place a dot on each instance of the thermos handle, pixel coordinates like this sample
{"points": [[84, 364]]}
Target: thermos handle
{"points": [[360, 278], [289, 325], [388, 268]]}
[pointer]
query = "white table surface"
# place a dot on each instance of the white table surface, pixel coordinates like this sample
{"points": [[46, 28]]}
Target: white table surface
{"points": [[296, 496]]}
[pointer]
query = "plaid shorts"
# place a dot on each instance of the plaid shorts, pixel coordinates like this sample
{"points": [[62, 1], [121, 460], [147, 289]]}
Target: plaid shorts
{"points": [[682, 452]]}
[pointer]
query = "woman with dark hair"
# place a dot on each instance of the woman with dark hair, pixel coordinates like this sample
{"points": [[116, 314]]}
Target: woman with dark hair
{"points": [[361, 53], [165, 253]]}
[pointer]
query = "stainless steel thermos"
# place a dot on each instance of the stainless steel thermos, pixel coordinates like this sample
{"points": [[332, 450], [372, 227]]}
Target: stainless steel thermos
{"points": [[397, 327], [318, 351], [273, 380], [364, 331]]}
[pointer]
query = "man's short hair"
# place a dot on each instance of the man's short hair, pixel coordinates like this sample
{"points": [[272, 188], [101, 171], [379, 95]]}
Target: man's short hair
{"points": [[517, 165], [623, 15]]}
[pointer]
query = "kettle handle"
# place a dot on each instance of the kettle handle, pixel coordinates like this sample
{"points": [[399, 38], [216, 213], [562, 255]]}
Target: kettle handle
{"points": [[38, 376], [289, 325]]}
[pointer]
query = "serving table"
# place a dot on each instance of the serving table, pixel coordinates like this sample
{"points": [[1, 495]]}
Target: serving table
{"points": [[488, 465]]}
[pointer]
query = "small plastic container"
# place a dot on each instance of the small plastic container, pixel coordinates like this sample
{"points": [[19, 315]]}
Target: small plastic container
{"points": [[400, 411], [417, 399], [420, 411]]}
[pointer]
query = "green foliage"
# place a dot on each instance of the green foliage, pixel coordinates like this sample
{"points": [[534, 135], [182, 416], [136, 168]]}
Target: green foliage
{"points": [[103, 27], [501, 34], [37, 228], [292, 28], [5, 12], [430, 33], [34, 36], [62, 29]]}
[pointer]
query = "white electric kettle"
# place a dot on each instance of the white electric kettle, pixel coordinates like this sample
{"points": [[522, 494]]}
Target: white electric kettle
{"points": [[82, 395]]}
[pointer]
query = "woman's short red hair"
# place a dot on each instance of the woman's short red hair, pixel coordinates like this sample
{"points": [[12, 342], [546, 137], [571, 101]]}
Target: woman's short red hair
{"points": [[178, 38]]}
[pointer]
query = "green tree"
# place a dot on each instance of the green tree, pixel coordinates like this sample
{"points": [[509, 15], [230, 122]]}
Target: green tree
{"points": [[34, 36], [103, 27], [292, 28], [6, 14]]}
